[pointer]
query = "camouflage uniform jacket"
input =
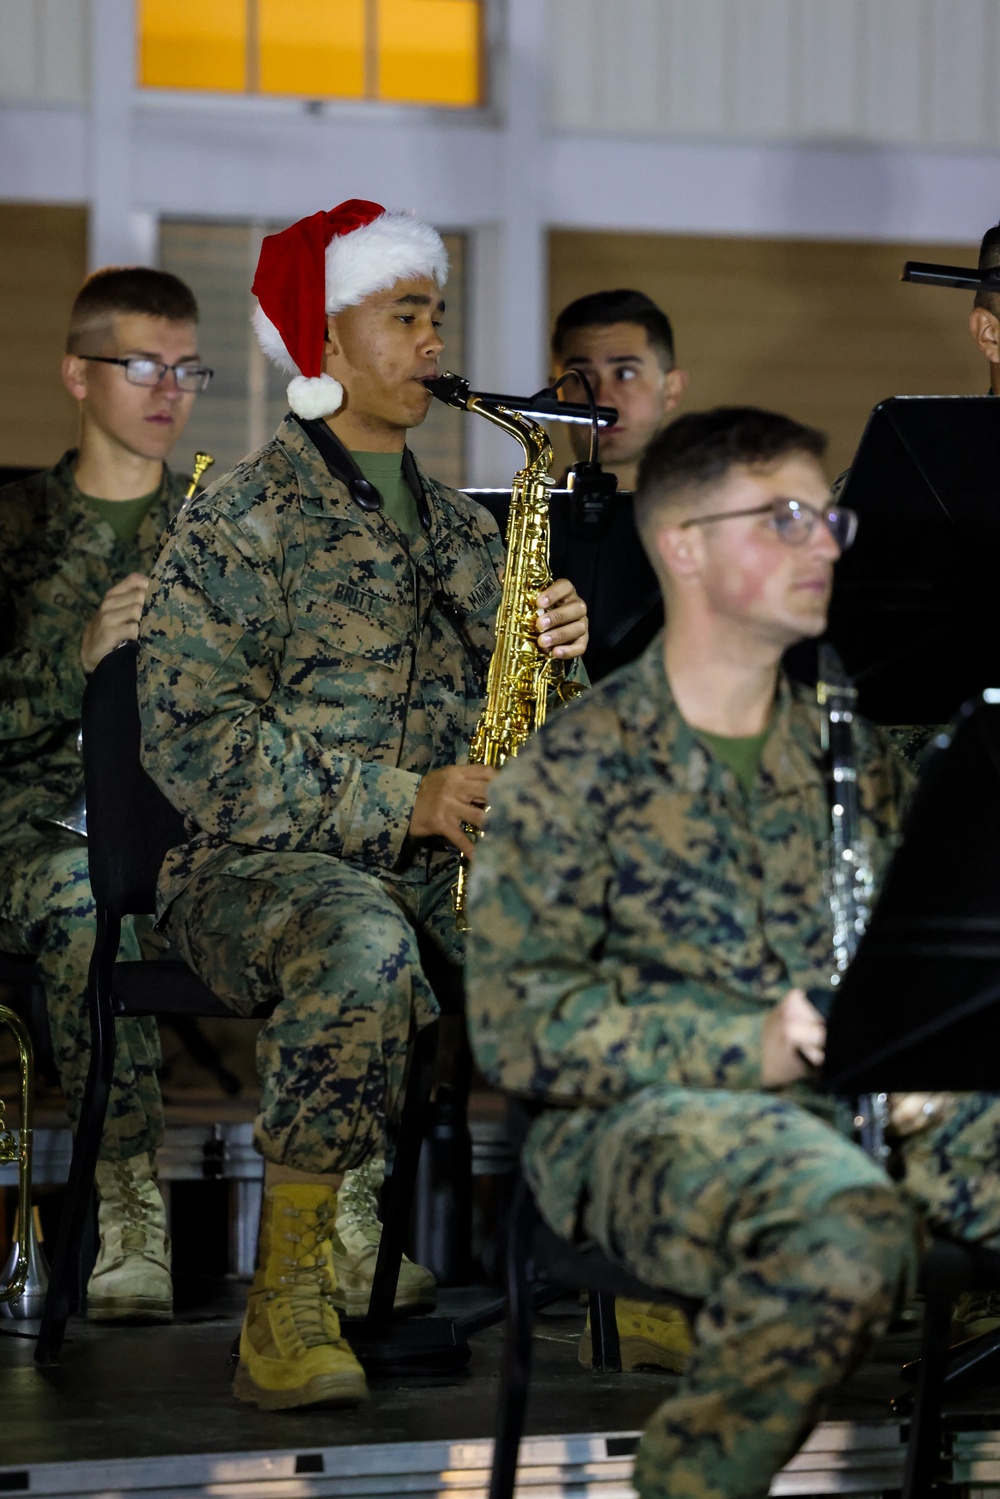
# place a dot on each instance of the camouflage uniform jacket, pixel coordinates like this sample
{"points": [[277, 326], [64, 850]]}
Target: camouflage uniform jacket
{"points": [[302, 667], [58, 558], [634, 915]]}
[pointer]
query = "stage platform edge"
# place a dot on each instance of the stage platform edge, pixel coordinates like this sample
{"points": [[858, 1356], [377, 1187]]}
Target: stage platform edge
{"points": [[841, 1457]]}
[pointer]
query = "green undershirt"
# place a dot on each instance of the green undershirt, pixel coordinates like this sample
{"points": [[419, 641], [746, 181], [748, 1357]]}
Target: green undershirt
{"points": [[741, 755], [123, 516], [385, 471]]}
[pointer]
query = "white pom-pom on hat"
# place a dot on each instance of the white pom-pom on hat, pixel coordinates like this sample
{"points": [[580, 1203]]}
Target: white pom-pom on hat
{"points": [[311, 396], [321, 265]]}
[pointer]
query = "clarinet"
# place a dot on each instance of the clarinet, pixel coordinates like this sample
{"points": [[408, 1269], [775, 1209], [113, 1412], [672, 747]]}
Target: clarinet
{"points": [[850, 874]]}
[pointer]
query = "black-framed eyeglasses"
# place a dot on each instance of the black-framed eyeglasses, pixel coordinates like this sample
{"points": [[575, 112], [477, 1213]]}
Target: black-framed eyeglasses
{"points": [[794, 521], [140, 369]]}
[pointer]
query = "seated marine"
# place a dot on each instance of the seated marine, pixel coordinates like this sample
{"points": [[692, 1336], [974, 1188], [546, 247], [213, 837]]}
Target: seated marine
{"points": [[650, 957]]}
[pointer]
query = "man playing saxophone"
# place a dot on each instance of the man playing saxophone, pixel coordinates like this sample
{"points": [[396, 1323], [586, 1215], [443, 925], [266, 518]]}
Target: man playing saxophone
{"points": [[313, 659], [657, 859], [76, 544]]}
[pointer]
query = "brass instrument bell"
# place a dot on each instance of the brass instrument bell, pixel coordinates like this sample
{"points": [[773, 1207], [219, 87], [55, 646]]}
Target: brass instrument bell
{"points": [[25, 1277]]}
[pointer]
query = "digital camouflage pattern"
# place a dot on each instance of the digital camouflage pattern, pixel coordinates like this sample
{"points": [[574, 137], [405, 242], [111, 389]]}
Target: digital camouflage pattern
{"points": [[58, 559], [633, 918], [301, 667]]}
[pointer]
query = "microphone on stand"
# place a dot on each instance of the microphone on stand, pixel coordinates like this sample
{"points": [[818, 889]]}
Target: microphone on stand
{"points": [[545, 406]]}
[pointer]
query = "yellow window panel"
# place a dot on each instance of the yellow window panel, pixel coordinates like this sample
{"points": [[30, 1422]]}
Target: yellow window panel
{"points": [[429, 51], [314, 48], [199, 44]]}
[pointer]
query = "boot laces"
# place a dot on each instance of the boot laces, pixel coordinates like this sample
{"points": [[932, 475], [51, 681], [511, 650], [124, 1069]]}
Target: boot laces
{"points": [[357, 1203], [134, 1211], [305, 1305]]}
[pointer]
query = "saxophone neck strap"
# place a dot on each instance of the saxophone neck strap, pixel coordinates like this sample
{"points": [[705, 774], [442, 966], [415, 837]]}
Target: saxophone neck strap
{"points": [[343, 467]]}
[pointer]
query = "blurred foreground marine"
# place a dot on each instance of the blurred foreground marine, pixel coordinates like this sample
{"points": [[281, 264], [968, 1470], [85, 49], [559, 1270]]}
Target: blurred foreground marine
{"points": [[313, 660], [650, 945], [76, 545]]}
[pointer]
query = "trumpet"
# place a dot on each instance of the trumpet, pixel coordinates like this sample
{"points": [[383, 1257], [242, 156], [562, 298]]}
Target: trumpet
{"points": [[16, 1148]]}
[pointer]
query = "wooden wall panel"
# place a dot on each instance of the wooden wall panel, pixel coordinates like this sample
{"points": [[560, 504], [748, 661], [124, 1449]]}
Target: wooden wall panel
{"points": [[821, 330], [43, 260]]}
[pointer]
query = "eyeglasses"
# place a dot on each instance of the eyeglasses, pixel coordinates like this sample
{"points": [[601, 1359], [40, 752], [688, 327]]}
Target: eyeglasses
{"points": [[141, 370], [794, 521]]}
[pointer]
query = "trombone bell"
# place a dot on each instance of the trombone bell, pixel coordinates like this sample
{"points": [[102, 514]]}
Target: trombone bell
{"points": [[15, 1149]]}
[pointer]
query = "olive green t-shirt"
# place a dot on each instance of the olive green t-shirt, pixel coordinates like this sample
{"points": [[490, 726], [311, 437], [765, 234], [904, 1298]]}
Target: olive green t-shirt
{"points": [[123, 516], [741, 755], [385, 471]]}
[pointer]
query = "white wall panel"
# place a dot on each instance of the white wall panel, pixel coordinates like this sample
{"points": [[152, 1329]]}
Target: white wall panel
{"points": [[63, 30], [894, 48], [886, 72], [960, 70], [697, 73], [45, 50], [827, 48], [630, 39], [574, 75], [761, 98], [17, 49]]}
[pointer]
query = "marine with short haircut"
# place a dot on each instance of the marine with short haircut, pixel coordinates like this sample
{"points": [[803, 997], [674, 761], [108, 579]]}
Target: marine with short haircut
{"points": [[312, 665], [984, 319], [624, 344], [76, 545], [657, 859]]}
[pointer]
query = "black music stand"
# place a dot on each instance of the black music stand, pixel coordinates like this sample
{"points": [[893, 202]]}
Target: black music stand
{"points": [[919, 1007], [916, 602]]}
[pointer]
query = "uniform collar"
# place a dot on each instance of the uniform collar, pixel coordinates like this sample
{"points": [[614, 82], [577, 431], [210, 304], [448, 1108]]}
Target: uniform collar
{"points": [[791, 758], [89, 532], [337, 462]]}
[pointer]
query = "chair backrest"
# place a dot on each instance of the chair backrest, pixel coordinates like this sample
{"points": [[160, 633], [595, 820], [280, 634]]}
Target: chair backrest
{"points": [[130, 823]]}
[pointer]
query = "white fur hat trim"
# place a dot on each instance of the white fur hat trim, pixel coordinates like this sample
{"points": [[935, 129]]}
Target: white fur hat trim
{"points": [[320, 395]]}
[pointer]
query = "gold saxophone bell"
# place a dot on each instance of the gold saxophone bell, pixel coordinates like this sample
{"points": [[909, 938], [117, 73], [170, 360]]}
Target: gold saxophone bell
{"points": [[25, 1277]]}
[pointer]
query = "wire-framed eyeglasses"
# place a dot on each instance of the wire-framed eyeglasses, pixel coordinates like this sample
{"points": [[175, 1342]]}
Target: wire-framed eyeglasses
{"points": [[140, 369], [794, 521]]}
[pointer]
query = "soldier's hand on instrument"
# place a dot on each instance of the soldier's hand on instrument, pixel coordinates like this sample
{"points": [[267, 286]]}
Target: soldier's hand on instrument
{"points": [[910, 1112], [561, 621], [116, 620], [448, 800], [793, 1042]]}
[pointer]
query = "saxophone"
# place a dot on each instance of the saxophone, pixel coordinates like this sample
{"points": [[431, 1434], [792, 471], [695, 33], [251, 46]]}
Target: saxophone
{"points": [[521, 675], [851, 881]]}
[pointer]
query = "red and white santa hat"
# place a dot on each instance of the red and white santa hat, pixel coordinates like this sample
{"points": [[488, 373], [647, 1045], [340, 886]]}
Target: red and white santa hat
{"points": [[323, 264]]}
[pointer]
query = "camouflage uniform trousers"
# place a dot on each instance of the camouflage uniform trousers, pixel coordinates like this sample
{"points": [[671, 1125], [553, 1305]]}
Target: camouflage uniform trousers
{"points": [[331, 951], [796, 1242], [47, 910]]}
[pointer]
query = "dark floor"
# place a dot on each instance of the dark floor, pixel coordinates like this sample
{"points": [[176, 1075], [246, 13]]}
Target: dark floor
{"points": [[141, 1392]]}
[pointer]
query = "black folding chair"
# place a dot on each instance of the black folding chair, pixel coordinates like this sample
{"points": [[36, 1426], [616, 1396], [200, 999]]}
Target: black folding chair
{"points": [[534, 1254], [131, 826], [948, 1269]]}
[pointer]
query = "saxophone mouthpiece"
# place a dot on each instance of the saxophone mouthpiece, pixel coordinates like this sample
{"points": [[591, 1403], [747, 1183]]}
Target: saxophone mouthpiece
{"points": [[449, 388]]}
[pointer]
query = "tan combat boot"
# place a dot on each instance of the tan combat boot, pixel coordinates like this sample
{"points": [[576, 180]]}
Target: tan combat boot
{"points": [[130, 1280], [355, 1248], [651, 1335], [291, 1350]]}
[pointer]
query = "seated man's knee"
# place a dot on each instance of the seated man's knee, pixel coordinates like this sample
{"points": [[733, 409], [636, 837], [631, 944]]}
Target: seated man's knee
{"points": [[861, 1247]]}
